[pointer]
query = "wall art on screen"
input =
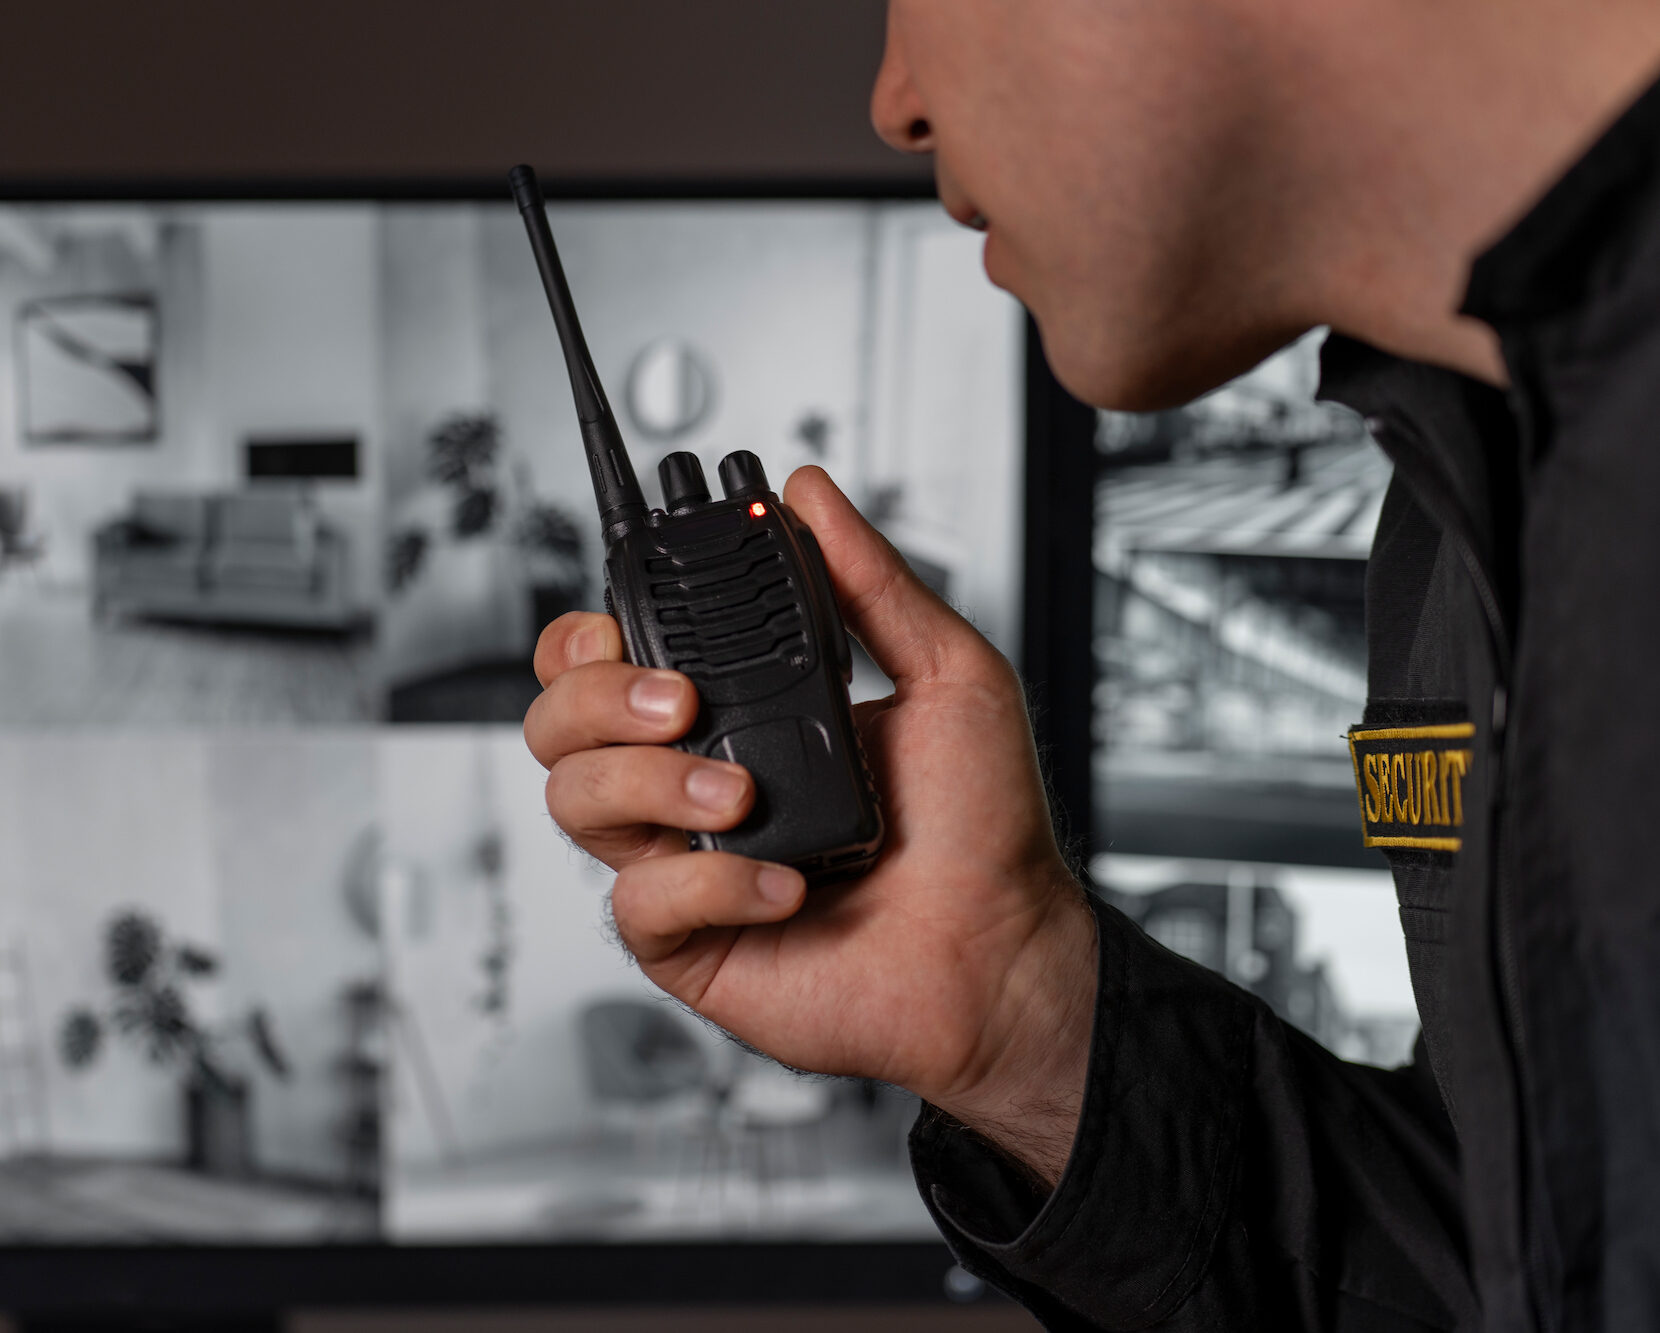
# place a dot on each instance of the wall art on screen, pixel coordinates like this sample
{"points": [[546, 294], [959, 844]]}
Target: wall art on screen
{"points": [[87, 369]]}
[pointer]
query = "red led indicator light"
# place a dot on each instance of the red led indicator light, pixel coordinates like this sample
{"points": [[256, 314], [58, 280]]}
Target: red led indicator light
{"points": [[758, 510]]}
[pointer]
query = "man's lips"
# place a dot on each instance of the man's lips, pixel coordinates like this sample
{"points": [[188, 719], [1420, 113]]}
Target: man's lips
{"points": [[954, 198]]}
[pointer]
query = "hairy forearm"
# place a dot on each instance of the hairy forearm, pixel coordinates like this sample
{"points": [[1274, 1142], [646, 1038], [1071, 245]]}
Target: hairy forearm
{"points": [[1029, 1099]]}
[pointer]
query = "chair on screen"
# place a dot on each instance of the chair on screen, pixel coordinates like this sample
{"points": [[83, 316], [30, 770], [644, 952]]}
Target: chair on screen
{"points": [[640, 1057], [779, 1117]]}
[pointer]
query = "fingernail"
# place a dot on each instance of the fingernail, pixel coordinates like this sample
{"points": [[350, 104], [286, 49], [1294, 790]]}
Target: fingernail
{"points": [[655, 697], [715, 787], [587, 645], [779, 884]]}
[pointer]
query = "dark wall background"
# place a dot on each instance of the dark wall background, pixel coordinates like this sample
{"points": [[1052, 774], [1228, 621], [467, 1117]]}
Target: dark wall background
{"points": [[441, 90]]}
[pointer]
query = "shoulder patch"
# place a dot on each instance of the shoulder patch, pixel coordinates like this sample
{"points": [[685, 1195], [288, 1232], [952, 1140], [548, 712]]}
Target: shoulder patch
{"points": [[1410, 780]]}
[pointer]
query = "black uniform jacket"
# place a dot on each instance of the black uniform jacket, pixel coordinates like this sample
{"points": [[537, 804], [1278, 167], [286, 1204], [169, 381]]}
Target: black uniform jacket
{"points": [[1228, 1173]]}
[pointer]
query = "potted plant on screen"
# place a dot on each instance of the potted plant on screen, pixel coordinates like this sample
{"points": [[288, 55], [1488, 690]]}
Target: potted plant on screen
{"points": [[551, 544], [152, 977], [488, 495]]}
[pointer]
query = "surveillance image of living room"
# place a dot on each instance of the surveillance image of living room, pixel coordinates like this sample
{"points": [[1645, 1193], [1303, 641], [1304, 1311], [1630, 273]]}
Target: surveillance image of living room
{"points": [[187, 463], [311, 464]]}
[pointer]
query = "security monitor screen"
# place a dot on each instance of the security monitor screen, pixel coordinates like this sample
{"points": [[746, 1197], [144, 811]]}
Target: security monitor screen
{"points": [[290, 950], [1230, 573]]}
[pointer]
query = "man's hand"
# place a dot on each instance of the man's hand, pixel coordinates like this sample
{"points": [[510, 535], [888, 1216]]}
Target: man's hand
{"points": [[962, 967]]}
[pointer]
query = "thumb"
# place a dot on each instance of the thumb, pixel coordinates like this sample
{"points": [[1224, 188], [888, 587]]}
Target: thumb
{"points": [[907, 629]]}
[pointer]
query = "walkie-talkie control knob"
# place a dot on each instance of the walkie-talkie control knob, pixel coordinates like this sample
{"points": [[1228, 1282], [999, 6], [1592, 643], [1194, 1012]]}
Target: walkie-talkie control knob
{"points": [[741, 473], [683, 485]]}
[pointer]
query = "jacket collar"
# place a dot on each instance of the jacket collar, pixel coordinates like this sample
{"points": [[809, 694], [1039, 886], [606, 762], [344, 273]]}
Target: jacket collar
{"points": [[1454, 439], [1583, 233], [1449, 435], [1579, 235]]}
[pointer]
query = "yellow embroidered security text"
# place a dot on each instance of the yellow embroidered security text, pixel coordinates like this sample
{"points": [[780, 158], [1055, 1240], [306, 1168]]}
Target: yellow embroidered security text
{"points": [[1410, 781]]}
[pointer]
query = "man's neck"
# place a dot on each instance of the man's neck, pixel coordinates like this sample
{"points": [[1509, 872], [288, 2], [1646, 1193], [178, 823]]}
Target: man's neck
{"points": [[1447, 123]]}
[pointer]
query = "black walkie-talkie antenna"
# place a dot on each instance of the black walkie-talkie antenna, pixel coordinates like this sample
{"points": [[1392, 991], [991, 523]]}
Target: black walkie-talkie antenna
{"points": [[616, 489]]}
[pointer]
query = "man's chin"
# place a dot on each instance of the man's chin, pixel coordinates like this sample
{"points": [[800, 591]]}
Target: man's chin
{"points": [[1143, 374], [1111, 380]]}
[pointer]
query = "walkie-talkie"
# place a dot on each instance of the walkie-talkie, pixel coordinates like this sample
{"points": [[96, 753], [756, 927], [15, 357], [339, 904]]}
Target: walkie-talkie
{"points": [[734, 594]]}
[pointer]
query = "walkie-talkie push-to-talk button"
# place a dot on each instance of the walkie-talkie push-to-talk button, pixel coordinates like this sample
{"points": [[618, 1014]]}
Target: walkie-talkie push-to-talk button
{"points": [[732, 592]]}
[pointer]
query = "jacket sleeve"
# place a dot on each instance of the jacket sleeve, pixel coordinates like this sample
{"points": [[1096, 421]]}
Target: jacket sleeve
{"points": [[1228, 1173]]}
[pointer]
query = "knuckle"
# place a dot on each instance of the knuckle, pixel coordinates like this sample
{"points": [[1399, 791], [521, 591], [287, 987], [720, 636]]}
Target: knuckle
{"points": [[876, 592], [597, 781], [546, 655], [628, 905], [698, 879], [553, 792], [536, 732], [562, 786], [635, 843], [578, 787], [550, 645], [566, 702], [565, 717]]}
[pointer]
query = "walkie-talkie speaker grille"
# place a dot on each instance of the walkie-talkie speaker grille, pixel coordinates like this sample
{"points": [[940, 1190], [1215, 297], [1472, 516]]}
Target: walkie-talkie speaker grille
{"points": [[730, 613]]}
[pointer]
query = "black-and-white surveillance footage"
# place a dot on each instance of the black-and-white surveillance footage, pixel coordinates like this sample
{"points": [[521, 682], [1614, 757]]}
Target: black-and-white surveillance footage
{"points": [[290, 950]]}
